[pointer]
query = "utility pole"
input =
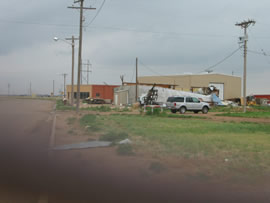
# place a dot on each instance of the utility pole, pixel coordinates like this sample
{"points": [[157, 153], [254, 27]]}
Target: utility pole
{"points": [[80, 49], [64, 75], [53, 88], [8, 89], [30, 90], [88, 64], [72, 68], [244, 25], [136, 94], [88, 70]]}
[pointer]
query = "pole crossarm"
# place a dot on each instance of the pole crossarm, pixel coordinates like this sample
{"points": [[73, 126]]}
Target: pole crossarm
{"points": [[246, 24], [85, 8], [81, 8]]}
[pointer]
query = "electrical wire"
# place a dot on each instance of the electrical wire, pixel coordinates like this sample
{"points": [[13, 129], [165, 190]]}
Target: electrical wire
{"points": [[258, 44], [257, 52], [150, 69], [218, 63], [96, 14], [36, 23], [133, 72]]}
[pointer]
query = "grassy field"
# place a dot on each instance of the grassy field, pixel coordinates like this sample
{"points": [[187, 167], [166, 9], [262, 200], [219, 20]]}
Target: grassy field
{"points": [[60, 106], [245, 146], [249, 114], [252, 111]]}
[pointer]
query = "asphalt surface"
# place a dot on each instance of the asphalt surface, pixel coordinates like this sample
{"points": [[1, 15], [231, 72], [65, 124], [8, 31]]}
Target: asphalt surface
{"points": [[24, 139], [29, 173]]}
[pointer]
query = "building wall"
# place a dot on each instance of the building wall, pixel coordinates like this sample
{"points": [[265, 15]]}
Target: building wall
{"points": [[104, 91], [232, 84]]}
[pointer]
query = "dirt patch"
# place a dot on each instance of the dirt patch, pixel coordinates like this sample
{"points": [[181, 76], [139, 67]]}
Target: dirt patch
{"points": [[141, 176], [213, 116]]}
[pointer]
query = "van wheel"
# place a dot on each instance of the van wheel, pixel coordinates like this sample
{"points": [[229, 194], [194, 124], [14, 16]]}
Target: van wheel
{"points": [[183, 110], [173, 110], [205, 110]]}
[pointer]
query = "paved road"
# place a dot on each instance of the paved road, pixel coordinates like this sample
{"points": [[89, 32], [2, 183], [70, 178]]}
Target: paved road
{"points": [[28, 175], [24, 137]]}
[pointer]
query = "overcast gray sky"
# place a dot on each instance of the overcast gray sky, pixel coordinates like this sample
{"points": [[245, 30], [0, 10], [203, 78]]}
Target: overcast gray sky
{"points": [[168, 37]]}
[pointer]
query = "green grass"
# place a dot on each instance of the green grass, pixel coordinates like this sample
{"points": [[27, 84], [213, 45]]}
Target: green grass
{"points": [[167, 114], [248, 114], [244, 144], [98, 108], [125, 150], [225, 109], [230, 109], [71, 120], [114, 136], [61, 107]]}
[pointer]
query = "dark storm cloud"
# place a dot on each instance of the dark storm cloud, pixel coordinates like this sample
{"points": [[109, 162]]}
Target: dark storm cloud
{"points": [[169, 36]]}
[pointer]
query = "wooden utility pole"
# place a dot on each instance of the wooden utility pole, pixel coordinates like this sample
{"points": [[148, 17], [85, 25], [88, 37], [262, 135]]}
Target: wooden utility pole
{"points": [[30, 90], [80, 49], [64, 75], [136, 94], [8, 89], [244, 25], [88, 70], [53, 88], [72, 67]]}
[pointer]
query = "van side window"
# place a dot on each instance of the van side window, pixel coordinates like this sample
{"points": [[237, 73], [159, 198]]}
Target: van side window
{"points": [[195, 100], [179, 99], [189, 100]]}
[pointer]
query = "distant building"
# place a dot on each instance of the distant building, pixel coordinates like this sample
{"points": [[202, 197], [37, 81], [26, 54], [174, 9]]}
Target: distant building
{"points": [[229, 86], [93, 91]]}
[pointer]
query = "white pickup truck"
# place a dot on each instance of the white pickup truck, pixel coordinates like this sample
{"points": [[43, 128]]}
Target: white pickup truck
{"points": [[183, 104]]}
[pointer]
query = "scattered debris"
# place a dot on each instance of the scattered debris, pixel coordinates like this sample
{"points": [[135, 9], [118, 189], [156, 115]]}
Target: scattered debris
{"points": [[84, 145], [126, 141]]}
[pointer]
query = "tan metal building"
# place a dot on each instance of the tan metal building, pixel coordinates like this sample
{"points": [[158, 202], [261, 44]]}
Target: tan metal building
{"points": [[229, 86]]}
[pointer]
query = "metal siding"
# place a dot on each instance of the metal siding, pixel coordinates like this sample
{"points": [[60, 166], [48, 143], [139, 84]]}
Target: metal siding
{"points": [[105, 91], [232, 84]]}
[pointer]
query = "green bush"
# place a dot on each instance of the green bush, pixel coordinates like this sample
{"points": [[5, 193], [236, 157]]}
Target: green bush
{"points": [[125, 150], [114, 137]]}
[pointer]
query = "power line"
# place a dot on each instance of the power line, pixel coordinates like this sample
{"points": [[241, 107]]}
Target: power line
{"points": [[96, 13], [162, 33], [155, 71], [257, 52], [218, 63], [260, 47], [150, 69], [37, 23], [133, 72]]}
